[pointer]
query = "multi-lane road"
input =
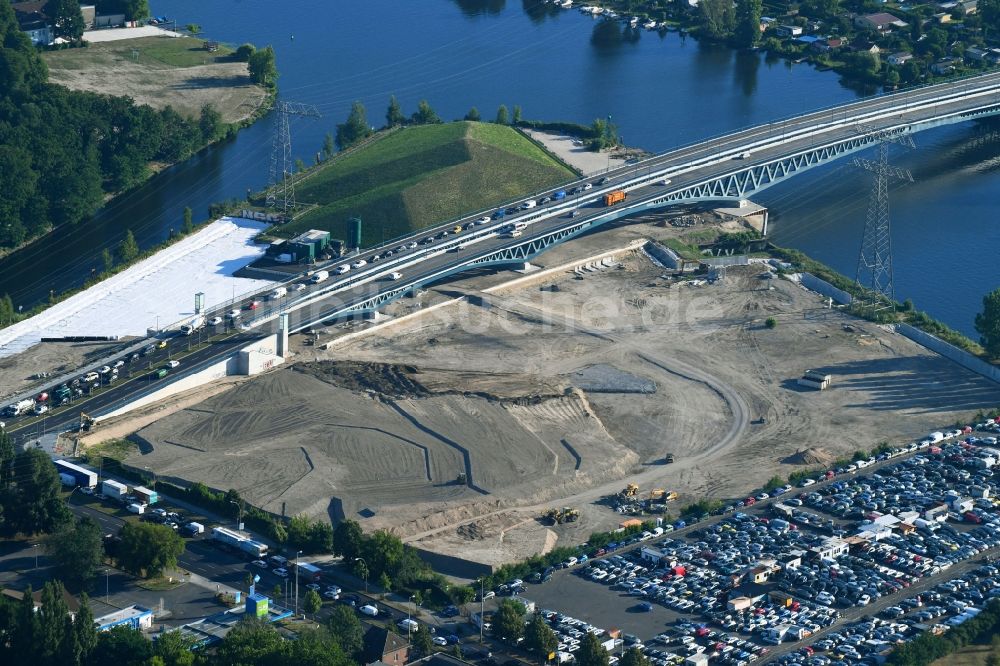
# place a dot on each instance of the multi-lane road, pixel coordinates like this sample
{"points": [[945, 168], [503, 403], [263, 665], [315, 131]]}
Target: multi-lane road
{"points": [[433, 254]]}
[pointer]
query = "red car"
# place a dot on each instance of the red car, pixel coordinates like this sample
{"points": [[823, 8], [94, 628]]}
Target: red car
{"points": [[253, 305], [750, 501]]}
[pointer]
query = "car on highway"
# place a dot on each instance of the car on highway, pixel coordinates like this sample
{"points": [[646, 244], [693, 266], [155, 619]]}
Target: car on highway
{"points": [[173, 364], [360, 263], [215, 321], [604, 181], [281, 572], [483, 220], [574, 213], [440, 641], [342, 269], [105, 369], [588, 186], [41, 409], [301, 286], [743, 156], [252, 305], [395, 275], [119, 363], [162, 344], [368, 610], [233, 314], [666, 181]]}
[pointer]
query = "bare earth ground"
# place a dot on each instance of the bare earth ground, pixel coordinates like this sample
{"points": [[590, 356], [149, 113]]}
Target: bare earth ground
{"points": [[577, 156], [108, 68], [53, 357], [488, 390]]}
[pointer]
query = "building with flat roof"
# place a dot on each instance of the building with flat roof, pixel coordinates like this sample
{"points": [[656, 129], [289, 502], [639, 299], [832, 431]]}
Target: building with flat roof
{"points": [[135, 617]]}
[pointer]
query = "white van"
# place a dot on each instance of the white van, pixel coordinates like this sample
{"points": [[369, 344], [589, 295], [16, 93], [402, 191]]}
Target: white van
{"points": [[369, 610], [530, 203], [406, 624]]}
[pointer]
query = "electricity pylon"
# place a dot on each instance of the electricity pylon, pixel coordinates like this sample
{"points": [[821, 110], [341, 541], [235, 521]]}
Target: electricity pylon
{"points": [[280, 188]]}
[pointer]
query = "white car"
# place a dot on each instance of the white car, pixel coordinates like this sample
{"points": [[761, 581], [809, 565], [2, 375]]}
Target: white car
{"points": [[588, 186], [665, 181], [360, 263], [330, 594], [215, 321], [41, 409], [483, 220], [259, 563], [234, 314], [314, 586], [342, 269], [173, 364], [439, 640], [395, 275], [301, 286], [118, 364], [282, 572]]}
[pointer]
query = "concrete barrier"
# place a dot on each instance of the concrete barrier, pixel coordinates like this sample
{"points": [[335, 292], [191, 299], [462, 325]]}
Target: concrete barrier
{"points": [[950, 351], [663, 255], [813, 283]]}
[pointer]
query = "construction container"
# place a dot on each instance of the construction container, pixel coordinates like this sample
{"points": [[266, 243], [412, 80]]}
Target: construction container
{"points": [[354, 232], [818, 376], [114, 490], [811, 383]]}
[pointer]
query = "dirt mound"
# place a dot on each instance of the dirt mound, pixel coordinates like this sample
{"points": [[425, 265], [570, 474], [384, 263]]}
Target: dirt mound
{"points": [[389, 380], [810, 456]]}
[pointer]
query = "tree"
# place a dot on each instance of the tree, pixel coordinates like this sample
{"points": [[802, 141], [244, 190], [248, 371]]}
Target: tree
{"points": [[107, 260], [634, 657], [347, 538], [539, 637], [748, 14], [67, 19], [122, 646], [244, 52], [193, 28], [473, 115], [36, 495], [516, 117], [345, 627], [77, 551], [892, 78], [770, 322], [988, 323], [313, 647], [421, 640], [394, 114], [462, 594], [84, 630], [717, 17], [149, 548], [312, 602], [135, 10], [250, 643], [425, 115], [509, 621], [25, 630], [989, 12], [210, 124], [355, 129], [52, 630], [7, 455], [385, 582], [591, 652], [128, 250], [262, 67], [502, 117], [174, 649], [774, 482], [328, 146], [188, 226]]}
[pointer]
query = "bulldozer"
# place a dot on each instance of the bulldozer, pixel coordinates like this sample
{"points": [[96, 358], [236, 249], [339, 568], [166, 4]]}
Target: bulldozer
{"points": [[563, 515], [631, 490]]}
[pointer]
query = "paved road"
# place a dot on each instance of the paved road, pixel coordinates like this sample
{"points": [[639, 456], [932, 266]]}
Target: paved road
{"points": [[685, 167]]}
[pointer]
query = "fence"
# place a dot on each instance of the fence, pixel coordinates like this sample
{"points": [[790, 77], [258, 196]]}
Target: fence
{"points": [[951, 352]]}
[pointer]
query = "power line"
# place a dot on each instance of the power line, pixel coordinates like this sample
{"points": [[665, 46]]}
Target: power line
{"points": [[281, 143]]}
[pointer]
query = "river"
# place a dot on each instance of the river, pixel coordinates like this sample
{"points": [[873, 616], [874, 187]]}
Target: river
{"points": [[660, 90]]}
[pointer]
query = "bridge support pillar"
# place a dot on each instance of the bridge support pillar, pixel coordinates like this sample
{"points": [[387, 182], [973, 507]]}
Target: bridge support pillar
{"points": [[526, 267], [282, 345]]}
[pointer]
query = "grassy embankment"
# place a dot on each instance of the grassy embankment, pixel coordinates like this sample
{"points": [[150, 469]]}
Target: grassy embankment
{"points": [[423, 175]]}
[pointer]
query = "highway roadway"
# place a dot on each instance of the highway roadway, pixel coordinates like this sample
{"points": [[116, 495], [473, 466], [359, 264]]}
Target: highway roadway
{"points": [[433, 254]]}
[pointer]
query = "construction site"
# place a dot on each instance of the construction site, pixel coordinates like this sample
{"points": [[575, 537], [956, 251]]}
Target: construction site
{"points": [[514, 412]]}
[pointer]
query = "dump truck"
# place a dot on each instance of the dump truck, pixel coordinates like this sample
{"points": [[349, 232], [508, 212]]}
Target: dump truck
{"points": [[611, 198], [21, 407]]}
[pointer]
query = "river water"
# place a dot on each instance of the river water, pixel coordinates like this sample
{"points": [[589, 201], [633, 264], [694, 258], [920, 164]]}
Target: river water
{"points": [[661, 91]]}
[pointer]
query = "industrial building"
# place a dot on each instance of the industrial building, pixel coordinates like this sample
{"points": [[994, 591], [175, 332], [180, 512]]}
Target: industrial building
{"points": [[303, 249], [135, 617]]}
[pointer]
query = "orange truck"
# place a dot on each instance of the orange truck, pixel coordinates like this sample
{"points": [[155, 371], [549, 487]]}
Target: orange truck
{"points": [[611, 198]]}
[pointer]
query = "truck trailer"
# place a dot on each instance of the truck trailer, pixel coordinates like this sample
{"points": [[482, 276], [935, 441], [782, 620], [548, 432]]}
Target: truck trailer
{"points": [[20, 407], [114, 490], [309, 572], [239, 541], [82, 477], [145, 495]]}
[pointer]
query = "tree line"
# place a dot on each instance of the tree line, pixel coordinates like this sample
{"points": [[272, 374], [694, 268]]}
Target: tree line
{"points": [[62, 151], [601, 134]]}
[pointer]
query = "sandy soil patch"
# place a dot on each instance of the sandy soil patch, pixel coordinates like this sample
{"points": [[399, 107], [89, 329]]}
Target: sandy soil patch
{"points": [[225, 85], [575, 153]]}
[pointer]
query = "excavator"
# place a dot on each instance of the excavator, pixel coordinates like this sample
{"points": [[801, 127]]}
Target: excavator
{"points": [[565, 514], [631, 490]]}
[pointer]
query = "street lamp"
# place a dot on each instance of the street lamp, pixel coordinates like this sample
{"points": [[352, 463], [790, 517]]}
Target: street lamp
{"points": [[107, 586], [412, 597], [362, 560], [34, 549], [297, 553], [239, 516]]}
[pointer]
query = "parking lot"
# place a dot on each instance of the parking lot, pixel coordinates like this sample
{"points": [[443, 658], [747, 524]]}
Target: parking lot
{"points": [[840, 569]]}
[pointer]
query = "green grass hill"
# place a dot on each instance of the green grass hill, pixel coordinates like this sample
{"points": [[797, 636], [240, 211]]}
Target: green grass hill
{"points": [[421, 176]]}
